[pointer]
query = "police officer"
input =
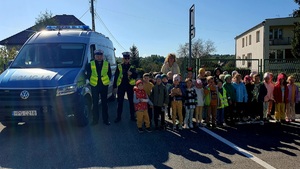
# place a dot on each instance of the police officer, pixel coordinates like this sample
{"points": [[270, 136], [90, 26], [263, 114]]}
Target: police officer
{"points": [[99, 74], [124, 80]]}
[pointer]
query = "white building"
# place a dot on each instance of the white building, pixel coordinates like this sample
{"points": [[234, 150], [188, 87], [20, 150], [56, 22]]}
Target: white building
{"points": [[268, 40]]}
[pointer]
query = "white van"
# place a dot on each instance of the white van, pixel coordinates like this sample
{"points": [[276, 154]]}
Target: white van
{"points": [[47, 81]]}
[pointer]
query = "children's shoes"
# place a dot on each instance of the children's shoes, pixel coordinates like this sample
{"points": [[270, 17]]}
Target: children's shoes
{"points": [[140, 130], [148, 130]]}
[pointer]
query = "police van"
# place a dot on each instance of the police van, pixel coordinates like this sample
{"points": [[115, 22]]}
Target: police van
{"points": [[47, 80]]}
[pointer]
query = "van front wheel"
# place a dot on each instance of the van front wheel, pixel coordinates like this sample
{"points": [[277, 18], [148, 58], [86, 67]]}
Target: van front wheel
{"points": [[83, 113]]}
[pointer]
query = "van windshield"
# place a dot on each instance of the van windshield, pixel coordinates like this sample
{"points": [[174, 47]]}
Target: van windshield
{"points": [[53, 55]]}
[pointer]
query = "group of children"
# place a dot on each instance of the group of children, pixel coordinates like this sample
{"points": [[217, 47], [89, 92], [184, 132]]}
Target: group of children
{"points": [[213, 99]]}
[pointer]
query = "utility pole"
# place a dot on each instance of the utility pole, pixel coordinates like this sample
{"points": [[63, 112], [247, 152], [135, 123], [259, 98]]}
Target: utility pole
{"points": [[93, 15]]}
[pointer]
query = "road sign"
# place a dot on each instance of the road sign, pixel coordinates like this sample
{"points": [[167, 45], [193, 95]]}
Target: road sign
{"points": [[192, 21], [193, 32]]}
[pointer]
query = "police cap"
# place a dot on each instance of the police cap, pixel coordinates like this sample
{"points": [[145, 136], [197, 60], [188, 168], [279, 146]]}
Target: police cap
{"points": [[126, 54], [98, 52]]}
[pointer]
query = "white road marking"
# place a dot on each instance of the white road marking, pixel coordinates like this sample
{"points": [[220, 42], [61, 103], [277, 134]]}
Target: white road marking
{"points": [[243, 151], [298, 124]]}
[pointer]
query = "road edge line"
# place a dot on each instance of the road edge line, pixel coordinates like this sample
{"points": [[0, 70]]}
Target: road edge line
{"points": [[242, 151]]}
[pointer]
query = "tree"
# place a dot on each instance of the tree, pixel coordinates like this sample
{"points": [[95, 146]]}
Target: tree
{"points": [[6, 55], [152, 63], [200, 49], [296, 40], [296, 12], [43, 20], [135, 58]]}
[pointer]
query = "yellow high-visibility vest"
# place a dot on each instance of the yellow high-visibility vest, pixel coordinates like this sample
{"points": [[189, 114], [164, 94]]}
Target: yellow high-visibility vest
{"points": [[131, 80], [120, 74], [104, 76], [223, 98]]}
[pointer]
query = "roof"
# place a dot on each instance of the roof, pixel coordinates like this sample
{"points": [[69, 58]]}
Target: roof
{"points": [[251, 29], [263, 23], [21, 37]]}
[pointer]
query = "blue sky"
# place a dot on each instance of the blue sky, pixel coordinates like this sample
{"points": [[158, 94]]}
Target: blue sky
{"points": [[154, 26]]}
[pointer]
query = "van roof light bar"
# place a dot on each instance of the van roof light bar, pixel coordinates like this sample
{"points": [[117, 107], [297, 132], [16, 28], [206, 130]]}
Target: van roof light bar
{"points": [[60, 27]]}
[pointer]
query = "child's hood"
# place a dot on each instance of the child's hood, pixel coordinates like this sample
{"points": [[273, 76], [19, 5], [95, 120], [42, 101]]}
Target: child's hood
{"points": [[279, 77]]}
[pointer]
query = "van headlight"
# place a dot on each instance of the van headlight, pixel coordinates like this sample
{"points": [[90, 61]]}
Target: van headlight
{"points": [[65, 90]]}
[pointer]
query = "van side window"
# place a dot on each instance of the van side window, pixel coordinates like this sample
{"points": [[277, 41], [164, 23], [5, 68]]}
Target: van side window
{"points": [[109, 55], [92, 48]]}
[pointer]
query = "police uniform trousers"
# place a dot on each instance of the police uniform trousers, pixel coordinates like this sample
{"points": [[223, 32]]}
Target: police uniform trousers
{"points": [[102, 90], [121, 93]]}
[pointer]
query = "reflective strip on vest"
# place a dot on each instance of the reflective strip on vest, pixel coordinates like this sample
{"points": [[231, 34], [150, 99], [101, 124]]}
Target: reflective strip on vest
{"points": [[120, 74], [104, 75]]}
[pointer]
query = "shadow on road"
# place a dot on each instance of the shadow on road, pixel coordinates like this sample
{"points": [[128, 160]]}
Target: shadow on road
{"points": [[62, 145], [283, 138]]}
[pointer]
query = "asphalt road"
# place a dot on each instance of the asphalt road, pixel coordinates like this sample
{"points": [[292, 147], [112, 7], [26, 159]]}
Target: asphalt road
{"points": [[62, 145]]}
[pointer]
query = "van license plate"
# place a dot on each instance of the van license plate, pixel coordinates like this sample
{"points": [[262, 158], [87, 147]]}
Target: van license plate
{"points": [[25, 113]]}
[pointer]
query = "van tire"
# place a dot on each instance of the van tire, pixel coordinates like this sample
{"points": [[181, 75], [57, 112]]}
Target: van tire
{"points": [[83, 113]]}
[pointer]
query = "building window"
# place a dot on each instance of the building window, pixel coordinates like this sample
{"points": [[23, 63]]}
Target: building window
{"points": [[249, 39], [279, 33], [257, 36], [243, 42], [246, 41], [249, 62], [279, 55], [272, 55], [275, 33], [243, 61], [271, 34]]}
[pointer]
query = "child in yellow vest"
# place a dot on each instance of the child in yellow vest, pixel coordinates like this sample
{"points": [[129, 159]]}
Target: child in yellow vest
{"points": [[222, 105]]}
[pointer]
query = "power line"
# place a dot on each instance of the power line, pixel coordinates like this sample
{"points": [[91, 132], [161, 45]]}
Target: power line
{"points": [[84, 13], [109, 31]]}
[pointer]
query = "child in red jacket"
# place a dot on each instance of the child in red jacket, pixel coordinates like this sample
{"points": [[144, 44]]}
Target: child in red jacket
{"points": [[141, 100], [280, 93]]}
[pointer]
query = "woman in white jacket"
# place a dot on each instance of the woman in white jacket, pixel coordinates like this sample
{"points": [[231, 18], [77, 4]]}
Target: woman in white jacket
{"points": [[170, 65]]}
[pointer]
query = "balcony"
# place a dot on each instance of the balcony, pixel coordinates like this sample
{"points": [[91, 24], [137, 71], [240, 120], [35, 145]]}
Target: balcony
{"points": [[283, 41]]}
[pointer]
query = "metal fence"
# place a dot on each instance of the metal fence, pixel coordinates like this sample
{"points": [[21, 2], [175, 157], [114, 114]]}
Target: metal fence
{"points": [[246, 66], [288, 66], [243, 66]]}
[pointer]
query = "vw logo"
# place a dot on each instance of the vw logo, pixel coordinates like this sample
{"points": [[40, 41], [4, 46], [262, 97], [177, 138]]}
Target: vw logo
{"points": [[24, 94]]}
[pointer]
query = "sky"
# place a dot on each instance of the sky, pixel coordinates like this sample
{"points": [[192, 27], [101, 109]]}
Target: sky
{"points": [[155, 27]]}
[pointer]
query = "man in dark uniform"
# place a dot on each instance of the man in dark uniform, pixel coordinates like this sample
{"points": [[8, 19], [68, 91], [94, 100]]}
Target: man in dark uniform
{"points": [[99, 74], [124, 80]]}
